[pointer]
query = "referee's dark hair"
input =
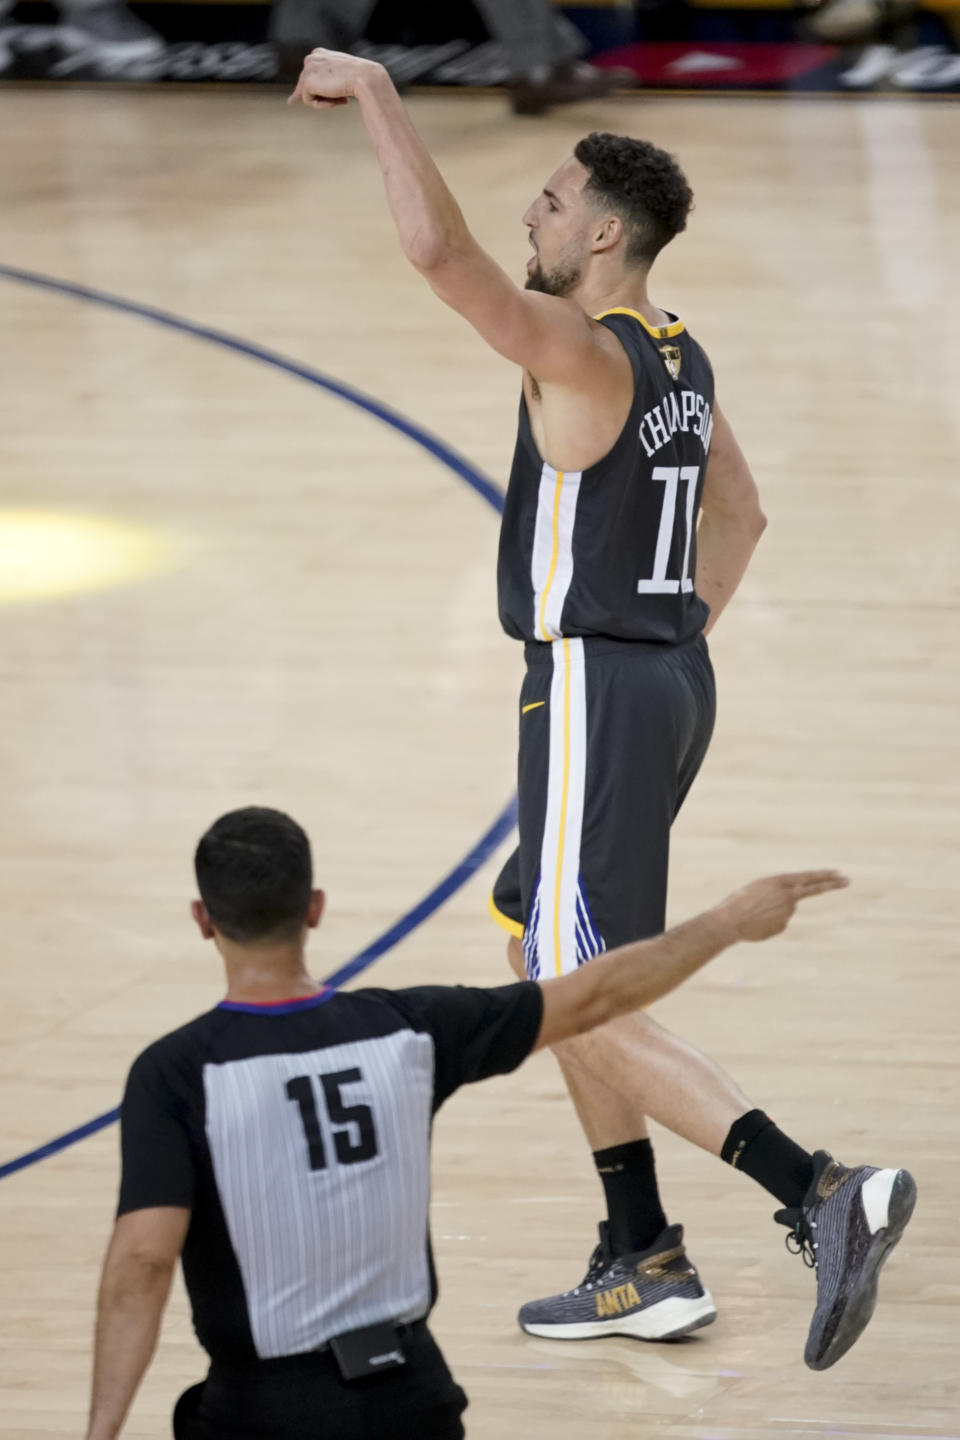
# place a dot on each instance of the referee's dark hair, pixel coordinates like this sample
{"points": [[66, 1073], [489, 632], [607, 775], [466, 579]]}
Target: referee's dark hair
{"points": [[255, 875], [643, 185]]}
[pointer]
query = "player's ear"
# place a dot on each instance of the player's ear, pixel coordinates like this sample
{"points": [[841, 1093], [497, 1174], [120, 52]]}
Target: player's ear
{"points": [[315, 909], [606, 233], [202, 920]]}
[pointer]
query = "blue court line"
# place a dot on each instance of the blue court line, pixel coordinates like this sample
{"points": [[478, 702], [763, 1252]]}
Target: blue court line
{"points": [[61, 1143], [507, 818], [448, 886], [393, 418]]}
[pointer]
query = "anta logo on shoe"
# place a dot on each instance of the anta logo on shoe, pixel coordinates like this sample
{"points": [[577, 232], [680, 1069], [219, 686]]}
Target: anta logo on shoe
{"points": [[618, 1301]]}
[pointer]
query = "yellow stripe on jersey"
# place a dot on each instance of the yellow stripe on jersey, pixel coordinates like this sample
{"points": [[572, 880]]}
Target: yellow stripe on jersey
{"points": [[553, 558], [534, 705], [659, 332]]}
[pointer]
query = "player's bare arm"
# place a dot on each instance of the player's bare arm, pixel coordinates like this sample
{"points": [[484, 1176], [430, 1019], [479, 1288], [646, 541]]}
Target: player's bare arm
{"points": [[731, 520], [137, 1273], [634, 976], [551, 338]]}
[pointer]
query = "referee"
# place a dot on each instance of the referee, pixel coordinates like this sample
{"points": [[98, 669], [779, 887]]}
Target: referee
{"points": [[280, 1145]]}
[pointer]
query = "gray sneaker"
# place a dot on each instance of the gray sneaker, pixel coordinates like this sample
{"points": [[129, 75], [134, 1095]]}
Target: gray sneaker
{"points": [[655, 1294], [846, 1227], [112, 33]]}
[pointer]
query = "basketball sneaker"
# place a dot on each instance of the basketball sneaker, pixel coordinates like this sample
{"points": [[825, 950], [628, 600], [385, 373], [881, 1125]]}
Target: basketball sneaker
{"points": [[845, 1228], [654, 1294], [110, 34]]}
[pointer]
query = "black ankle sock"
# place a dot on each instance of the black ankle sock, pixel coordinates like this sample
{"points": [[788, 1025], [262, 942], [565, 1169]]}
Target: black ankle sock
{"points": [[629, 1180], [763, 1152]]}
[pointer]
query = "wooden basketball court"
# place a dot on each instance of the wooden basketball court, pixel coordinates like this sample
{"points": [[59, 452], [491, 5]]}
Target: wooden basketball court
{"points": [[225, 584]]}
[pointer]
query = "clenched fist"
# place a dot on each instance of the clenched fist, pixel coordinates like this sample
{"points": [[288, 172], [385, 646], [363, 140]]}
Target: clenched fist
{"points": [[330, 78]]}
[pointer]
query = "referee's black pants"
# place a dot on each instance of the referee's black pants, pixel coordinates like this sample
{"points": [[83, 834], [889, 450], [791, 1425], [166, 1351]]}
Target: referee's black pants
{"points": [[303, 1397]]}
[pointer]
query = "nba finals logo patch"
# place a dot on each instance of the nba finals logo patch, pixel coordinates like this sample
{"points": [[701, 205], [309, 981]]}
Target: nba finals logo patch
{"points": [[671, 358]]}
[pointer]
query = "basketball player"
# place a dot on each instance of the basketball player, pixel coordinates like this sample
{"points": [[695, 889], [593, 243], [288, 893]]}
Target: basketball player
{"points": [[606, 577], [281, 1142]]}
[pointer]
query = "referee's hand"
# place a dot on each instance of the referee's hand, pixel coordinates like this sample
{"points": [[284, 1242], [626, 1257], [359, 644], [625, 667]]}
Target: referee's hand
{"points": [[765, 907]]}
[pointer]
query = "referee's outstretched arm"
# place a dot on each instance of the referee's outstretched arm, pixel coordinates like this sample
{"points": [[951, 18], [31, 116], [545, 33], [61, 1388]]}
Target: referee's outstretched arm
{"points": [[287, 1089], [634, 976]]}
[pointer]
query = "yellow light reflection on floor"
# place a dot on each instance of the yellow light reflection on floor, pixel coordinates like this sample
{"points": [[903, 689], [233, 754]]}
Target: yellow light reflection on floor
{"points": [[46, 554]]}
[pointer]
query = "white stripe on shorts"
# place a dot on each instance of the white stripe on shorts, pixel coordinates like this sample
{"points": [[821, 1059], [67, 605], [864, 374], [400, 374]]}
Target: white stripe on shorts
{"points": [[556, 921]]}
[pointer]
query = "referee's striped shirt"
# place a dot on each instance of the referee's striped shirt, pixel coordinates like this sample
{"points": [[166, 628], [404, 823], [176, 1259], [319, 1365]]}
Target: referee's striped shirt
{"points": [[298, 1135]]}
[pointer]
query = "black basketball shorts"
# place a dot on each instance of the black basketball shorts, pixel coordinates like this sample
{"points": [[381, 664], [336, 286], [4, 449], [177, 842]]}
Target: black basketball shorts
{"points": [[612, 734]]}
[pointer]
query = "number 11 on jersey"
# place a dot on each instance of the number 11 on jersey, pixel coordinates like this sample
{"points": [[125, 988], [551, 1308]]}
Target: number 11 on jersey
{"points": [[670, 477]]}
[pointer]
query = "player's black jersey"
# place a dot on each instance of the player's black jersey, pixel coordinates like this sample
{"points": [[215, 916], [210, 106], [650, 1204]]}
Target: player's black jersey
{"points": [[298, 1135], [612, 550]]}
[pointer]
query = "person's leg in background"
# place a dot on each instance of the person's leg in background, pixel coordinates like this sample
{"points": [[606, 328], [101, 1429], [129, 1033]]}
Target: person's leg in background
{"points": [[299, 26], [545, 53], [543, 49], [850, 22]]}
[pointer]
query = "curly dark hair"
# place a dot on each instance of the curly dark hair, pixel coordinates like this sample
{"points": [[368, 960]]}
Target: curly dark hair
{"points": [[643, 185]]}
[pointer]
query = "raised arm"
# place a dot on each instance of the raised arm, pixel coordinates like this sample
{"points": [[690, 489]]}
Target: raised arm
{"points": [[633, 976], [550, 337], [731, 520]]}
